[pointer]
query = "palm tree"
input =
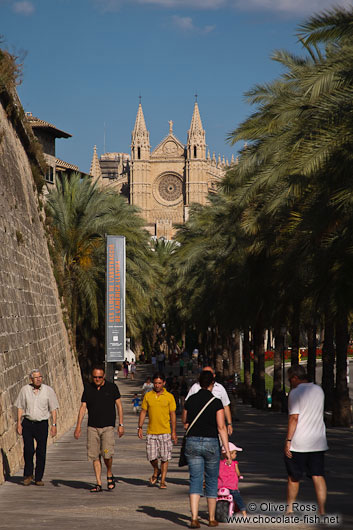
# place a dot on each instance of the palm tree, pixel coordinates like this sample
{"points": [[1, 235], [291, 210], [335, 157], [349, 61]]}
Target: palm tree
{"points": [[80, 214]]}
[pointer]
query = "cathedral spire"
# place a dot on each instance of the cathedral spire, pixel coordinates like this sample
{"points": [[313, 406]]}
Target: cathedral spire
{"points": [[140, 124], [196, 123], [140, 138], [95, 169], [196, 142]]}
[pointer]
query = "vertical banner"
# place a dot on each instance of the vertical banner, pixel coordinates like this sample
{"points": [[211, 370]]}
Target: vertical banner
{"points": [[115, 300]]}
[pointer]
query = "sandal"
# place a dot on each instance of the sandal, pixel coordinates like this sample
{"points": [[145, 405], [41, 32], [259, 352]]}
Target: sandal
{"points": [[96, 489], [110, 483], [154, 478], [163, 486]]}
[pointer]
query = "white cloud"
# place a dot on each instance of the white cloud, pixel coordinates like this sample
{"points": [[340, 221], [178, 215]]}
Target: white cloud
{"points": [[187, 24], [114, 5], [296, 7], [192, 4], [184, 23], [23, 8]]}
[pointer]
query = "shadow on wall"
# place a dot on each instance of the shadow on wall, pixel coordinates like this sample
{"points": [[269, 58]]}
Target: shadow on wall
{"points": [[5, 465]]}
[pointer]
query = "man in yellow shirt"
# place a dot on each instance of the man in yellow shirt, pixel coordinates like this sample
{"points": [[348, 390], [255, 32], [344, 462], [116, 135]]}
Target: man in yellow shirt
{"points": [[160, 406]]}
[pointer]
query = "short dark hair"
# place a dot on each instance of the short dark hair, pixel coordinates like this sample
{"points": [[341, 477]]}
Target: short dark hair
{"points": [[98, 367], [158, 375], [206, 379], [297, 370]]}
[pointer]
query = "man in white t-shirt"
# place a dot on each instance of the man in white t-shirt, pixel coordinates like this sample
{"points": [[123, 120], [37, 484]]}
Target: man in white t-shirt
{"points": [[219, 392], [305, 443]]}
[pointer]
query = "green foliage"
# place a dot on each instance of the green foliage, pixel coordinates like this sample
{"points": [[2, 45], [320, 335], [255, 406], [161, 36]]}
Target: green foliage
{"points": [[79, 216]]}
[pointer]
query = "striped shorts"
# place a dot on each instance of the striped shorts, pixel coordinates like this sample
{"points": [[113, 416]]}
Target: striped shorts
{"points": [[159, 446]]}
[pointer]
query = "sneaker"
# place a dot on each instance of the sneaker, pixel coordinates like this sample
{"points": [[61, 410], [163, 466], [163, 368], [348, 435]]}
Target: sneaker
{"points": [[39, 483], [27, 481]]}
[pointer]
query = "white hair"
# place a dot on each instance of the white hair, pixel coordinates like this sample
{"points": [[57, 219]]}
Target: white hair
{"points": [[35, 370]]}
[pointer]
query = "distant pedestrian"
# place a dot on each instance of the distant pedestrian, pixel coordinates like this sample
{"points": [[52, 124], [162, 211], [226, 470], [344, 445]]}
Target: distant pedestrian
{"points": [[132, 369], [161, 430], [100, 398], [154, 361], [147, 386], [306, 442], [126, 368], [36, 403], [136, 404], [183, 392], [161, 361]]}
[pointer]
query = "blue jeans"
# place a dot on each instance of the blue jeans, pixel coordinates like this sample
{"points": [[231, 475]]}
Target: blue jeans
{"points": [[203, 456], [237, 498]]}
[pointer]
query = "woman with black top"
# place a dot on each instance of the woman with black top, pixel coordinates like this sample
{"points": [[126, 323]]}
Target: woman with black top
{"points": [[202, 449]]}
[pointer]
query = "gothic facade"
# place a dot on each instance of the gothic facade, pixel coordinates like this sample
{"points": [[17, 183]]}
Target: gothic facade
{"points": [[165, 181]]}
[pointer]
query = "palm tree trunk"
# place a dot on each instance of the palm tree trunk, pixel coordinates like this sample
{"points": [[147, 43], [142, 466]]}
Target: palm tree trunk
{"points": [[295, 334], [277, 371], [247, 366], [328, 361], [342, 414], [311, 364], [259, 355], [234, 365]]}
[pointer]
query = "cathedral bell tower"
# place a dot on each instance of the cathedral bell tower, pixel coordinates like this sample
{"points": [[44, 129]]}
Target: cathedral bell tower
{"points": [[140, 163], [196, 184]]}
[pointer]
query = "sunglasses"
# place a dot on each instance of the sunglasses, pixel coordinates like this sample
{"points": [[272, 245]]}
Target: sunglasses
{"points": [[97, 376]]}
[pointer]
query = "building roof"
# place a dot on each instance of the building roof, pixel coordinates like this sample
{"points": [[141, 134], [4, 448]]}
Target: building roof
{"points": [[61, 164], [36, 123]]}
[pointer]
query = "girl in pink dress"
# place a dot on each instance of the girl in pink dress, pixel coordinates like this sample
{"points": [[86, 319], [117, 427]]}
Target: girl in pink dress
{"points": [[228, 476]]}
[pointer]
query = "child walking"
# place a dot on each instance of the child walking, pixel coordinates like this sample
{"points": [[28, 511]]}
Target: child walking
{"points": [[136, 404], [228, 476]]}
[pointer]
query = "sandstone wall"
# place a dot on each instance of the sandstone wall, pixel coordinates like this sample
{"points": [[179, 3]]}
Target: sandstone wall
{"points": [[32, 332]]}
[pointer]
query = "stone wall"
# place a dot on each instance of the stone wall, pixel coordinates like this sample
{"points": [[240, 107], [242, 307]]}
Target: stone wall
{"points": [[32, 331]]}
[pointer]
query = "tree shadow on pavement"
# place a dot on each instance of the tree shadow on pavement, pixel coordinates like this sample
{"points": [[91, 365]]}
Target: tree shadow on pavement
{"points": [[176, 518], [133, 481], [76, 484]]}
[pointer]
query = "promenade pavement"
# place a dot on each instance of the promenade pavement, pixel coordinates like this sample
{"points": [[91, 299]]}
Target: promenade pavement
{"points": [[65, 501]]}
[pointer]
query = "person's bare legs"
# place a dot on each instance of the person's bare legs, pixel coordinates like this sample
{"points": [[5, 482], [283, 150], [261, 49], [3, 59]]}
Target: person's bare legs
{"points": [[154, 464], [211, 503], [164, 469], [321, 492], [97, 466], [292, 492], [194, 505]]}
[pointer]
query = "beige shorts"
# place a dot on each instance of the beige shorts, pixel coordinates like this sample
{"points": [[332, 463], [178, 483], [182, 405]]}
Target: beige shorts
{"points": [[100, 441]]}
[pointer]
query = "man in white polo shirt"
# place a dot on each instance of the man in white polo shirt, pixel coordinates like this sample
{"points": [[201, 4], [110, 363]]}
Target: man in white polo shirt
{"points": [[305, 443], [219, 392], [35, 403]]}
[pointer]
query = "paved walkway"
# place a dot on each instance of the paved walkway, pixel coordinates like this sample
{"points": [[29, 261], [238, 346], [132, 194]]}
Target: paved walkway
{"points": [[65, 501]]}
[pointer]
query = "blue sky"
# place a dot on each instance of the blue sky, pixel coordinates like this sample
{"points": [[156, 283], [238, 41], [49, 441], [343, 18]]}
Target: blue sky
{"points": [[87, 61]]}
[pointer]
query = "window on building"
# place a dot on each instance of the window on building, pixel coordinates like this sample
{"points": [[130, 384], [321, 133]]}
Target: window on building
{"points": [[139, 153], [195, 151], [49, 177]]}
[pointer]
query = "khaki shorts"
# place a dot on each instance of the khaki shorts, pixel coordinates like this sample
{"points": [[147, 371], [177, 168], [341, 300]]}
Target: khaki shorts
{"points": [[100, 441]]}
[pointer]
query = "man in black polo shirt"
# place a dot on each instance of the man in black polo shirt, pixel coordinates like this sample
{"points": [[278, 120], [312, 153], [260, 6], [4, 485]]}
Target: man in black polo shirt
{"points": [[100, 399]]}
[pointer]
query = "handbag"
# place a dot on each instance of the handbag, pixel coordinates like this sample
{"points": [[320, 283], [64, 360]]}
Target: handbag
{"points": [[182, 457]]}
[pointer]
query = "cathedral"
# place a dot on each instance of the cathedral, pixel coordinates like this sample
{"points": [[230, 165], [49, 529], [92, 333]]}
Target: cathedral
{"points": [[164, 182]]}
